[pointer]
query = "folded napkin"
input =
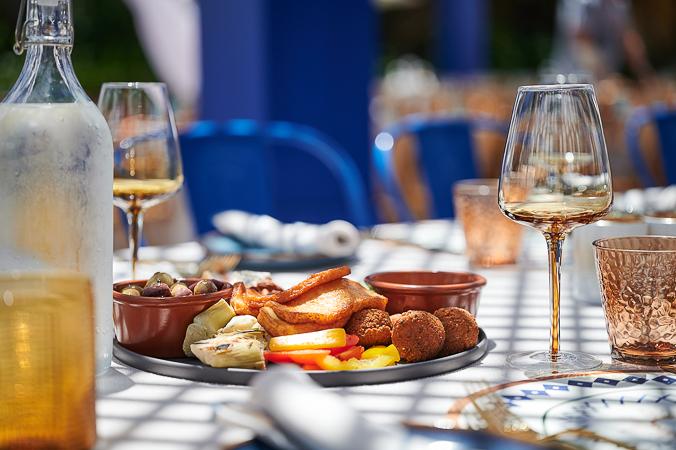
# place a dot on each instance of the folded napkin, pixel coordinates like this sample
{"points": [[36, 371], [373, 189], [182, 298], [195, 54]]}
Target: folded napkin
{"points": [[334, 239], [645, 201], [289, 411]]}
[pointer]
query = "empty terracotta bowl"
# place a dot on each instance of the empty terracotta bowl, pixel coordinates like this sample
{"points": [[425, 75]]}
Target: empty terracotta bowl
{"points": [[427, 291], [155, 326]]}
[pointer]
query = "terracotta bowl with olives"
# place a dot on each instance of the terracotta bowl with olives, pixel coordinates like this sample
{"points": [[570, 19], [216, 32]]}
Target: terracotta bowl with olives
{"points": [[151, 316]]}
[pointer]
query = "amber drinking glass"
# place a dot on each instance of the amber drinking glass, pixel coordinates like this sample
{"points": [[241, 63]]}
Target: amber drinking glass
{"points": [[638, 284], [491, 239], [555, 177], [46, 361]]}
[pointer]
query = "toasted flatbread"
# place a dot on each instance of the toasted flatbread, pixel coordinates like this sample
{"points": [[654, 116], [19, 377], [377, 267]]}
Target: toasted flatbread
{"points": [[313, 281], [329, 303], [249, 301], [277, 327], [245, 301], [365, 298]]}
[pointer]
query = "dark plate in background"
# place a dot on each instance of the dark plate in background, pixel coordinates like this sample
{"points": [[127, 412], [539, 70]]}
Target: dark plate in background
{"points": [[193, 369], [264, 259]]}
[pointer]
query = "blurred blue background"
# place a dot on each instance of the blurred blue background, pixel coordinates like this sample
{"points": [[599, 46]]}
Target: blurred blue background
{"points": [[351, 70]]}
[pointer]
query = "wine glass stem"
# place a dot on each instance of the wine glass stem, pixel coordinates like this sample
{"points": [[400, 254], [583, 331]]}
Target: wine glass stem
{"points": [[554, 245], [135, 221]]}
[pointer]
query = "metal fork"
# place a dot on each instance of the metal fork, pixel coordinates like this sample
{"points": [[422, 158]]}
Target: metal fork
{"points": [[217, 264], [498, 418]]}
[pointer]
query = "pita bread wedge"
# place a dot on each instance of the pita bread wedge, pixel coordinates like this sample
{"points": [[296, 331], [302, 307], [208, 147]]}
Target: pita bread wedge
{"points": [[314, 280], [245, 301], [277, 327], [365, 298], [329, 303], [248, 301]]}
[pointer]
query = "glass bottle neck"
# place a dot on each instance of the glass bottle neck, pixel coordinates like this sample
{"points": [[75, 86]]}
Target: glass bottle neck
{"points": [[47, 22], [46, 34], [47, 77]]}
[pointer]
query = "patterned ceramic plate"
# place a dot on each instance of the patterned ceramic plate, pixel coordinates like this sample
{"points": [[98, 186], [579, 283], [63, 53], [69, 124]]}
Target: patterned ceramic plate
{"points": [[604, 410]]}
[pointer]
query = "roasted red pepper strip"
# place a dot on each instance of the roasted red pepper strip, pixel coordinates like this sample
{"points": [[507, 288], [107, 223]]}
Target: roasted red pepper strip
{"points": [[350, 341], [354, 352], [296, 356]]}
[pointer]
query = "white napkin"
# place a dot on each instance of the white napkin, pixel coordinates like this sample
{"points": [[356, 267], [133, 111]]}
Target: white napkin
{"points": [[642, 201], [289, 410], [335, 239]]}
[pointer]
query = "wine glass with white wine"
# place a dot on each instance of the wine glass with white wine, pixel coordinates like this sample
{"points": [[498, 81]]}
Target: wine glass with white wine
{"points": [[555, 177], [147, 158]]}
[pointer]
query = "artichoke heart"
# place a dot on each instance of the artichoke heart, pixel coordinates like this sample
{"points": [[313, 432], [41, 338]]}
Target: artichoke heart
{"points": [[207, 323], [241, 323], [216, 317], [242, 349], [193, 334]]}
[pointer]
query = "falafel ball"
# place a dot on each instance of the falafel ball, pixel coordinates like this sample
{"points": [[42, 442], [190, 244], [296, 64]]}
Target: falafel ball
{"points": [[372, 326], [394, 318], [462, 331], [418, 335]]}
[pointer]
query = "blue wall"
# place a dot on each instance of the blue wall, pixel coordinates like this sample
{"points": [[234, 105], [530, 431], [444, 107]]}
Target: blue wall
{"points": [[306, 61], [462, 31]]}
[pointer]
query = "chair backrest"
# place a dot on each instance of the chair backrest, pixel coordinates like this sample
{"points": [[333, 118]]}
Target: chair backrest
{"points": [[289, 171], [666, 128], [445, 150], [665, 122]]}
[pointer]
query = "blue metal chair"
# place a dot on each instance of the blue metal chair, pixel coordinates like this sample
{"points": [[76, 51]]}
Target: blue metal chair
{"points": [[665, 121], [445, 152], [289, 171]]}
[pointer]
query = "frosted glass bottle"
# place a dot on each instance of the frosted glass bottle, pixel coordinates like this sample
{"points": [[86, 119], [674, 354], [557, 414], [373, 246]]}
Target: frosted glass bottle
{"points": [[56, 167]]}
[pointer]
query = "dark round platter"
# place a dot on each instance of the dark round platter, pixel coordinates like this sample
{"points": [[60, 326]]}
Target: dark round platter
{"points": [[193, 369]]}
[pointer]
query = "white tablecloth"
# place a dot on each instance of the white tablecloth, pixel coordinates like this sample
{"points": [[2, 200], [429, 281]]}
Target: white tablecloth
{"points": [[140, 410]]}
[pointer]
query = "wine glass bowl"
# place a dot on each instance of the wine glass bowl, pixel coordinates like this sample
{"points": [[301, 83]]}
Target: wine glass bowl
{"points": [[555, 177], [147, 160]]}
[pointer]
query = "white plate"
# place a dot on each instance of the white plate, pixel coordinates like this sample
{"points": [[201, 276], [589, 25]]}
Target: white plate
{"points": [[637, 408]]}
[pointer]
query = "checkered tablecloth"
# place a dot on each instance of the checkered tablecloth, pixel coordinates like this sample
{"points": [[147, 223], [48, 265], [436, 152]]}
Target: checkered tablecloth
{"points": [[140, 410]]}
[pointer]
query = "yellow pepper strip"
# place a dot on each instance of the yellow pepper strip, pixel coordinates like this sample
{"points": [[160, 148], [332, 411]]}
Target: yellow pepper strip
{"points": [[372, 363], [380, 350], [332, 338], [329, 362], [372, 352], [332, 363]]}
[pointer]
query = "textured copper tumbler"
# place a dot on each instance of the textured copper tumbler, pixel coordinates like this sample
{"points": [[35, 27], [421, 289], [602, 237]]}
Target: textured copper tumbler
{"points": [[638, 283], [491, 239]]}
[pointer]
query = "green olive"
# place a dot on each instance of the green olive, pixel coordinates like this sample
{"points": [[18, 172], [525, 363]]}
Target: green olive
{"points": [[180, 290], [131, 290], [160, 277], [205, 287]]}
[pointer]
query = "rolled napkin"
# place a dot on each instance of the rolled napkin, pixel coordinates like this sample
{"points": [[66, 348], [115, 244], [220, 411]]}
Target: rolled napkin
{"points": [[642, 201], [288, 410], [334, 239]]}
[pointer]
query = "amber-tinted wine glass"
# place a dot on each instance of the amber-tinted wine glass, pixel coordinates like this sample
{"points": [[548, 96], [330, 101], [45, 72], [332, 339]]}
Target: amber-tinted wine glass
{"points": [[147, 158], [555, 177]]}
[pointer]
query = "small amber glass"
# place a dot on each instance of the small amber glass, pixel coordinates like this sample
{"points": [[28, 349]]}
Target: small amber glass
{"points": [[638, 283], [46, 361], [491, 239]]}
